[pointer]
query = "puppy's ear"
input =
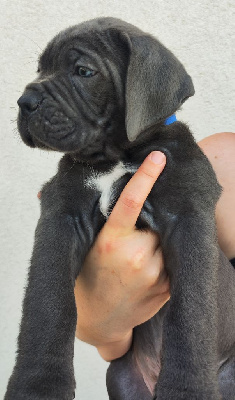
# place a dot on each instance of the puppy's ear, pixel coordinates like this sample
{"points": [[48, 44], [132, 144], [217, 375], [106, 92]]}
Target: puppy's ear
{"points": [[156, 84]]}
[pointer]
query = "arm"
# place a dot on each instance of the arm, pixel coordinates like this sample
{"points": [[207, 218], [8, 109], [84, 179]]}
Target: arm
{"points": [[220, 149]]}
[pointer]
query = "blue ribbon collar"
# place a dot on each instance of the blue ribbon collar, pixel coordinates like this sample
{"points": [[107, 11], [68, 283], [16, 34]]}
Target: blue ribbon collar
{"points": [[170, 120]]}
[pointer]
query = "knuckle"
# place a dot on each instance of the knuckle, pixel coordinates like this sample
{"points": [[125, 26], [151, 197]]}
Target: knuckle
{"points": [[105, 245], [136, 262], [108, 246], [131, 202], [155, 273], [152, 277], [147, 172]]}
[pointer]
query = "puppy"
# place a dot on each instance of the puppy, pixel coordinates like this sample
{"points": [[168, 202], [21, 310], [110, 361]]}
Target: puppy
{"points": [[103, 96]]}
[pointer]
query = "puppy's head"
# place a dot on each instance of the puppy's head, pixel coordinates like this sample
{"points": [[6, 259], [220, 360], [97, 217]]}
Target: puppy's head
{"points": [[99, 85]]}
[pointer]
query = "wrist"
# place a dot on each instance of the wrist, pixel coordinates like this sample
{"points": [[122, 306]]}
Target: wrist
{"points": [[100, 335], [116, 349]]}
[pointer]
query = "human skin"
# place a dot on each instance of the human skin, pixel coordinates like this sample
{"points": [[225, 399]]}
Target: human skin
{"points": [[123, 282]]}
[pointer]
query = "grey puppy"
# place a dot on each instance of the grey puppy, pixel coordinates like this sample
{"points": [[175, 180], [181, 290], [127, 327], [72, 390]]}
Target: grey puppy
{"points": [[102, 96]]}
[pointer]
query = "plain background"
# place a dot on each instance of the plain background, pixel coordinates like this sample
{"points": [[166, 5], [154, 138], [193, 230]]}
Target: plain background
{"points": [[200, 33]]}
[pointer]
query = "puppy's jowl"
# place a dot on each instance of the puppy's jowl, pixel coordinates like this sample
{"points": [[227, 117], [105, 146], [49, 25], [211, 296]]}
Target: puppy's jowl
{"points": [[103, 96]]}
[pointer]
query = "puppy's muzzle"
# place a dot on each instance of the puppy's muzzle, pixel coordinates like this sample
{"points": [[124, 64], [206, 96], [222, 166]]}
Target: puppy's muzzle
{"points": [[29, 102]]}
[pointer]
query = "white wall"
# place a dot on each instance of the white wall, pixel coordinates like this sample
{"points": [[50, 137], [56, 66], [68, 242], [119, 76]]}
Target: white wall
{"points": [[199, 32]]}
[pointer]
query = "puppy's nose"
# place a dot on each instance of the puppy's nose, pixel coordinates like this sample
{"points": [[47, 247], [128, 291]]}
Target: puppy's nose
{"points": [[29, 102]]}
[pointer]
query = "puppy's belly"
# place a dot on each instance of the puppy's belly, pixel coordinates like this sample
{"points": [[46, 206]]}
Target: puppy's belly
{"points": [[105, 184]]}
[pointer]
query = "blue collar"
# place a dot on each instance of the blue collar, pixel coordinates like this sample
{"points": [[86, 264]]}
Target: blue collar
{"points": [[170, 120]]}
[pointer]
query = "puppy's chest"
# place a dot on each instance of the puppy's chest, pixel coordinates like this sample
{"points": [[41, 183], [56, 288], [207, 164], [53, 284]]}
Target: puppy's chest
{"points": [[109, 184]]}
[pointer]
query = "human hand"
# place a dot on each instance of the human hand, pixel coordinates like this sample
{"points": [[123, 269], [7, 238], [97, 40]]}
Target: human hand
{"points": [[123, 282]]}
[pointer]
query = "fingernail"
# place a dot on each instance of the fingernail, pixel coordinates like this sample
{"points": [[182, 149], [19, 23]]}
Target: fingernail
{"points": [[157, 157]]}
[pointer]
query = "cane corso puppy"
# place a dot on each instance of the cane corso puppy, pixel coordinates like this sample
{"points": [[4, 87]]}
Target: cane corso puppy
{"points": [[103, 96]]}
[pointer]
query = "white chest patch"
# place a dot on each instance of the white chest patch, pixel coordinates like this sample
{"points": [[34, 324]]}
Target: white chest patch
{"points": [[104, 183]]}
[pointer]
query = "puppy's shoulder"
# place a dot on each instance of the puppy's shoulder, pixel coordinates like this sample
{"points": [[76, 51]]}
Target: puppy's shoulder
{"points": [[66, 190]]}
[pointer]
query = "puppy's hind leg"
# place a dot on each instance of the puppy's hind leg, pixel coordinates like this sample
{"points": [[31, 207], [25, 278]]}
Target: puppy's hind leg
{"points": [[227, 380], [226, 306], [124, 380]]}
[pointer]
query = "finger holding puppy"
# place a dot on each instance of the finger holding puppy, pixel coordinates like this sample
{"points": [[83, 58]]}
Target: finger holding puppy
{"points": [[123, 282]]}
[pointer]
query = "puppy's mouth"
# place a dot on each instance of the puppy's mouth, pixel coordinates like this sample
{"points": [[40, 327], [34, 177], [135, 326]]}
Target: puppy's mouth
{"points": [[37, 132], [54, 143]]}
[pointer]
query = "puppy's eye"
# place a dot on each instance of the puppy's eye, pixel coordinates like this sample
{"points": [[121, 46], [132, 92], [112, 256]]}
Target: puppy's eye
{"points": [[84, 71]]}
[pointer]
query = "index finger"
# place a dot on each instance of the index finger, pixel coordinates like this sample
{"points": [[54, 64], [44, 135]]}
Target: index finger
{"points": [[128, 207]]}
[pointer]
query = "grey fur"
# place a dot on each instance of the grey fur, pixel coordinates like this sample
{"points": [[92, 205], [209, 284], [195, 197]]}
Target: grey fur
{"points": [[115, 115]]}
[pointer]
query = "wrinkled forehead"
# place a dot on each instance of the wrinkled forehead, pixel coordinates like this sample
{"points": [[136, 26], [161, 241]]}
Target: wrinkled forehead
{"points": [[68, 47], [93, 40]]}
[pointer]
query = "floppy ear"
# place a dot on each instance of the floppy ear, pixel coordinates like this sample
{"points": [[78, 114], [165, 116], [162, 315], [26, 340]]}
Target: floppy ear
{"points": [[156, 84]]}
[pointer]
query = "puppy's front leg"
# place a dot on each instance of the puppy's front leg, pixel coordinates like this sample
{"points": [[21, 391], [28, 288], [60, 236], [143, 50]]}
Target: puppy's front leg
{"points": [[189, 364], [44, 365]]}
